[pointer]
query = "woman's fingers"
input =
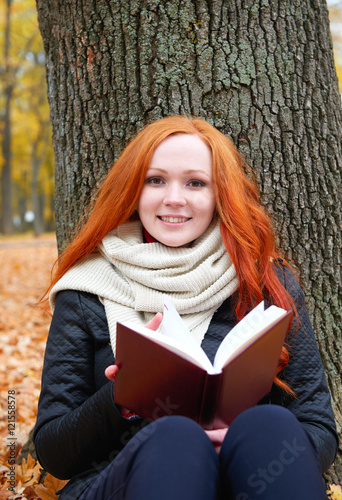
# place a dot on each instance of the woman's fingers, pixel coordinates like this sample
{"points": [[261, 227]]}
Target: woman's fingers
{"points": [[216, 437], [111, 371], [155, 322]]}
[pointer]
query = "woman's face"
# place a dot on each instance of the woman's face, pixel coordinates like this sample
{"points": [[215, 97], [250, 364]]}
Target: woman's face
{"points": [[177, 202]]}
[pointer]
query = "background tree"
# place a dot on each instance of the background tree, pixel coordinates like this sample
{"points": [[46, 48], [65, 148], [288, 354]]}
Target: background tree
{"points": [[26, 157], [335, 15], [6, 224], [261, 71]]}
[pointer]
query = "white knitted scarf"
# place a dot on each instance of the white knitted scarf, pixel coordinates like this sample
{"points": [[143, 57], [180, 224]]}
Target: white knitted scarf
{"points": [[131, 277]]}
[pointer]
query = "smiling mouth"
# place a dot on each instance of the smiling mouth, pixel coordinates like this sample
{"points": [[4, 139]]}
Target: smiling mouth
{"points": [[174, 220]]}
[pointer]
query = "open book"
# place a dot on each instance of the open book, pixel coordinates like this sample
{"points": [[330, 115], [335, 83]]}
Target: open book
{"points": [[168, 373]]}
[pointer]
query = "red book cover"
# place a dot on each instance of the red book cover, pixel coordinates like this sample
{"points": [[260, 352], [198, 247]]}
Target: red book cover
{"points": [[156, 379]]}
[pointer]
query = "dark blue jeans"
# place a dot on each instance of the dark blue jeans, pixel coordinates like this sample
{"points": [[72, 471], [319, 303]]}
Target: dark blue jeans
{"points": [[266, 455]]}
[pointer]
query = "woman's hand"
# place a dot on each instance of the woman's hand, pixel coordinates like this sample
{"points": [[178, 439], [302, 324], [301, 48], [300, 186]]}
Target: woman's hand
{"points": [[216, 437], [155, 322], [112, 370]]}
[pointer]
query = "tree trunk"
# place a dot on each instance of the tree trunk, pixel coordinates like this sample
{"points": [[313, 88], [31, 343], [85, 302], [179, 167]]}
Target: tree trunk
{"points": [[20, 192], [38, 223], [261, 71], [6, 180]]}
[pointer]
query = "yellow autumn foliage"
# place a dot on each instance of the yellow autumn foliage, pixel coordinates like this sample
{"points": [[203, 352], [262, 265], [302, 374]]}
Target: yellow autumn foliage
{"points": [[31, 135]]}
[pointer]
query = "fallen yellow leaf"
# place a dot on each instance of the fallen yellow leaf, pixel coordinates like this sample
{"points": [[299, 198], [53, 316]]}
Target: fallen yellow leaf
{"points": [[48, 490], [5, 494], [335, 492]]}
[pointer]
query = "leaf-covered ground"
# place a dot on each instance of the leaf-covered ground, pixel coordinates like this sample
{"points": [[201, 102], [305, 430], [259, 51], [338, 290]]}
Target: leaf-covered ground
{"points": [[25, 271]]}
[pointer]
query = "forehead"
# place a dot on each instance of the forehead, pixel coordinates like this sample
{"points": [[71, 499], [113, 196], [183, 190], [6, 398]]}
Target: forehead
{"points": [[182, 141], [184, 149]]}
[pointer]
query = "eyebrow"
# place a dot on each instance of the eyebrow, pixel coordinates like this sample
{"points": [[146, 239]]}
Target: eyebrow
{"points": [[189, 171]]}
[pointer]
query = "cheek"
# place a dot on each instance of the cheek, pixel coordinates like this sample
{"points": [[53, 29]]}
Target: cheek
{"points": [[207, 206], [143, 201], [147, 204]]}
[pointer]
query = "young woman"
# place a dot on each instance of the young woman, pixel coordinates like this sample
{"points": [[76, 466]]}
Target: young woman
{"points": [[177, 214]]}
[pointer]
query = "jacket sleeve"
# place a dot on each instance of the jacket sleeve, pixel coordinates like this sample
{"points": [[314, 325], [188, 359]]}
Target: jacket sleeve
{"points": [[305, 375], [78, 426]]}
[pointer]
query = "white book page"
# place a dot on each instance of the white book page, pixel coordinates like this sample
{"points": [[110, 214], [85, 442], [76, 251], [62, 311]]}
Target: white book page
{"points": [[254, 323], [174, 327]]}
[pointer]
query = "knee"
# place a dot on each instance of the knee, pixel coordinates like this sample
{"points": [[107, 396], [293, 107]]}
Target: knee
{"points": [[176, 428], [261, 426], [265, 418], [177, 432]]}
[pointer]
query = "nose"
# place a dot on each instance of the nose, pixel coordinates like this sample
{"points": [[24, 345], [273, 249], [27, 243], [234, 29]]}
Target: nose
{"points": [[174, 196]]}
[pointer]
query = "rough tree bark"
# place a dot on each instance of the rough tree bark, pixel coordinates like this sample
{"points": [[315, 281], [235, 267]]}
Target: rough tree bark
{"points": [[260, 71]]}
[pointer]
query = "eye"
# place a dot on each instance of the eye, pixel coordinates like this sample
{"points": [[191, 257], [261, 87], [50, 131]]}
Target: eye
{"points": [[155, 181], [195, 183]]}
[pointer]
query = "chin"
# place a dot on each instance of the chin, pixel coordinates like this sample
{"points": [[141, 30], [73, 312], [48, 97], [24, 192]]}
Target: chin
{"points": [[173, 244]]}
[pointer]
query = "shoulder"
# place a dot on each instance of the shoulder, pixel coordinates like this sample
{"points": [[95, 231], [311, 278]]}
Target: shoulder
{"points": [[82, 307], [72, 298]]}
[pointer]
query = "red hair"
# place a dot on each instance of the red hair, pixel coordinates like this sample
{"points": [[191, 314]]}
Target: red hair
{"points": [[245, 226]]}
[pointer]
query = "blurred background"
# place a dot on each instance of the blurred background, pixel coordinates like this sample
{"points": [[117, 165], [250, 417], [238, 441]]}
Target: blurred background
{"points": [[26, 153]]}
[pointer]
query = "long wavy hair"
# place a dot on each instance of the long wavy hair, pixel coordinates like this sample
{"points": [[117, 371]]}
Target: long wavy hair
{"points": [[246, 228]]}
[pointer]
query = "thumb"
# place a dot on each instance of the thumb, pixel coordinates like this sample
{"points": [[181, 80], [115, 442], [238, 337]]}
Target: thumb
{"points": [[111, 371], [154, 323]]}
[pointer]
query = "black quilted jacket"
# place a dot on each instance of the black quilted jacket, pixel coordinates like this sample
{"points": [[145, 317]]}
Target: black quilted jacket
{"points": [[79, 429]]}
